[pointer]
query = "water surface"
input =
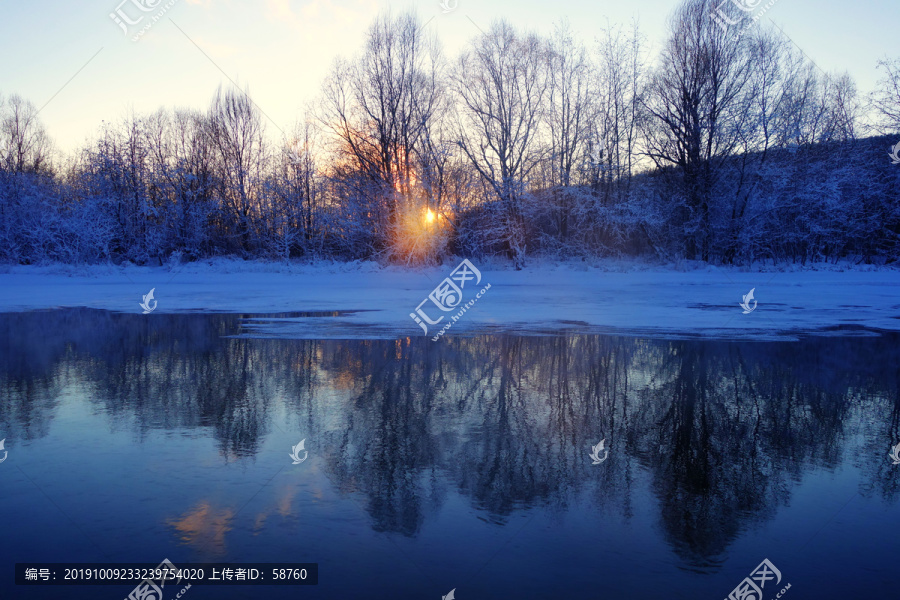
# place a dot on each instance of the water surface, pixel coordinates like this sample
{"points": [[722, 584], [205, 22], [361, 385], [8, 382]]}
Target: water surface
{"points": [[460, 464]]}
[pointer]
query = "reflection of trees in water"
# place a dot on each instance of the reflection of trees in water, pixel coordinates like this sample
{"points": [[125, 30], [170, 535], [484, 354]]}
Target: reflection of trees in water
{"points": [[33, 361], [379, 448], [716, 466], [724, 429]]}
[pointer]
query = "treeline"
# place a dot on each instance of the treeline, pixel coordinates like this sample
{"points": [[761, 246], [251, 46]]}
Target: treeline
{"points": [[729, 146]]}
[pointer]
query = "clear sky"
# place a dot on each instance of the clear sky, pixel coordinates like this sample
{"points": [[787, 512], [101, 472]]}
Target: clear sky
{"points": [[282, 49]]}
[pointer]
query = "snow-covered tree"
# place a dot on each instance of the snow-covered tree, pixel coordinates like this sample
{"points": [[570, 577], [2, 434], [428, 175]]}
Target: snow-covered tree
{"points": [[501, 83]]}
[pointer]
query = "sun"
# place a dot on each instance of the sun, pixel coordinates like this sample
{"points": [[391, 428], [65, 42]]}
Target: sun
{"points": [[429, 216]]}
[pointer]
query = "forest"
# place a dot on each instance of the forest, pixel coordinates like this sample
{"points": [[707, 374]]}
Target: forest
{"points": [[728, 145]]}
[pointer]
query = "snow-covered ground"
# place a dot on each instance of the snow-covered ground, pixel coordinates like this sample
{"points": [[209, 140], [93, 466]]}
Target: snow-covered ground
{"points": [[622, 298]]}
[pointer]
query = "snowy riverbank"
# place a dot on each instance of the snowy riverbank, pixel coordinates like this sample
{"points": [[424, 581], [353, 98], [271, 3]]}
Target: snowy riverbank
{"points": [[624, 298]]}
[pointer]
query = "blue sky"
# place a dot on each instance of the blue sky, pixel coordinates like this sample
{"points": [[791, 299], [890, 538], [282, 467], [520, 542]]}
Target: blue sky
{"points": [[282, 49]]}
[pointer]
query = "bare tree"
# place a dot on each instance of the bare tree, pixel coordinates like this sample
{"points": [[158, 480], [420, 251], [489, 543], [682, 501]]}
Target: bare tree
{"points": [[194, 183], [843, 108], [766, 102], [237, 135], [885, 100], [297, 196], [695, 100], [621, 79], [24, 143], [501, 83], [380, 107], [569, 103]]}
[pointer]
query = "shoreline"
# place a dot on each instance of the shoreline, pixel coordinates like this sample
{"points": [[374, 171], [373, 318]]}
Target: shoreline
{"points": [[542, 300]]}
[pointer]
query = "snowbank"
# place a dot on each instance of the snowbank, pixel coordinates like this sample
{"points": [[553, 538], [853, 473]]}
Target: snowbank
{"points": [[623, 298]]}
